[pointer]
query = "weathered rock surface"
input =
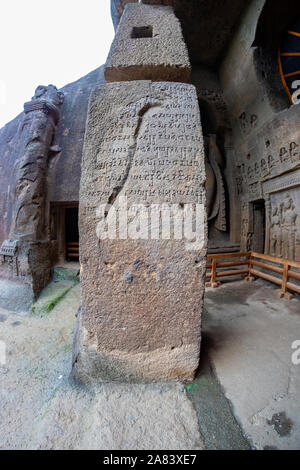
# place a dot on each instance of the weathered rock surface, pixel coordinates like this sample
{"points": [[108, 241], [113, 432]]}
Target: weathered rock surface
{"points": [[70, 135], [142, 298], [24, 275], [148, 46], [24, 257], [64, 166], [207, 25]]}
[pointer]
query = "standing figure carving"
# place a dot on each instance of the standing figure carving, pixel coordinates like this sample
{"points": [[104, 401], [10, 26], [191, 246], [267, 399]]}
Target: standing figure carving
{"points": [[215, 190], [288, 226], [275, 226], [40, 118]]}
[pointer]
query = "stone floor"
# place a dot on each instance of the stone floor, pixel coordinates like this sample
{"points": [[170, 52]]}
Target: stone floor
{"points": [[40, 408], [246, 394], [248, 335]]}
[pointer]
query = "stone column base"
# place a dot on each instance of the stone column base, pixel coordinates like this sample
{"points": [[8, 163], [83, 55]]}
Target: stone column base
{"points": [[24, 272]]}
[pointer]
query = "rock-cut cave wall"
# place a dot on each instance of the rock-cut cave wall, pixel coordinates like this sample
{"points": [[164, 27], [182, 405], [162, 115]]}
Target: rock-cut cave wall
{"points": [[266, 140], [64, 168]]}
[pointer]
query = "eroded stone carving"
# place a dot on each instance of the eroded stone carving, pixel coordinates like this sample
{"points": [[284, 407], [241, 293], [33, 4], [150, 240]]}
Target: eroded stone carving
{"points": [[275, 238], [288, 226], [25, 256], [40, 118], [247, 122], [215, 191], [283, 227]]}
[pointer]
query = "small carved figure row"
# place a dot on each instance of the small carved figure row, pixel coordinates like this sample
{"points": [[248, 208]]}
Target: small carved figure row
{"points": [[267, 166]]}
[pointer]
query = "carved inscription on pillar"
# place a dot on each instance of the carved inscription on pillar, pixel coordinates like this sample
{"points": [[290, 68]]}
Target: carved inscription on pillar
{"points": [[142, 295], [152, 146]]}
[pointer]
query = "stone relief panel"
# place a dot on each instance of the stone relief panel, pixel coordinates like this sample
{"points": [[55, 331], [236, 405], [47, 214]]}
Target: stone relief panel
{"points": [[221, 202], [274, 149], [246, 227], [284, 224], [268, 162], [247, 122], [215, 190]]}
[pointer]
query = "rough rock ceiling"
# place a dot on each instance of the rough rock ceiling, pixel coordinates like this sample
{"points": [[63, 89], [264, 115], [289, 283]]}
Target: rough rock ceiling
{"points": [[283, 13], [207, 24]]}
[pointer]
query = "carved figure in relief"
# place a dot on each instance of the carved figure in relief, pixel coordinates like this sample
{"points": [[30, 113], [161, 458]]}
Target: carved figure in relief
{"points": [[244, 231], [297, 246], [288, 227], [249, 241], [275, 242], [40, 118], [215, 190]]}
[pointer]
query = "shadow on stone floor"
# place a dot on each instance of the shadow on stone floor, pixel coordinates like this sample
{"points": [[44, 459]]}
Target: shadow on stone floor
{"points": [[218, 426]]}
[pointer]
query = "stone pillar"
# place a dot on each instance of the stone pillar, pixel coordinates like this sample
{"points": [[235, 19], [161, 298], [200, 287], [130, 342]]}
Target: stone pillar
{"points": [[25, 256], [148, 46], [142, 217]]}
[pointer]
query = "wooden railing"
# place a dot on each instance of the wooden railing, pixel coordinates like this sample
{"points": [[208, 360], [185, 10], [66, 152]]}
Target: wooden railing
{"points": [[73, 251], [284, 270]]}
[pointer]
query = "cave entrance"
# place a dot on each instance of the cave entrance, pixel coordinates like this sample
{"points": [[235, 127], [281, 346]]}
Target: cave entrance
{"points": [[259, 226], [72, 234]]}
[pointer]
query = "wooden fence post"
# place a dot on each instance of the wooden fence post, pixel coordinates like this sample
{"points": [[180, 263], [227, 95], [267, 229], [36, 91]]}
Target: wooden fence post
{"points": [[214, 282], [253, 261], [283, 291], [250, 277], [213, 278]]}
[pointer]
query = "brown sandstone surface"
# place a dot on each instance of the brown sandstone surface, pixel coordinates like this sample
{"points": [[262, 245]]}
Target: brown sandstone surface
{"points": [[142, 298], [148, 46]]}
